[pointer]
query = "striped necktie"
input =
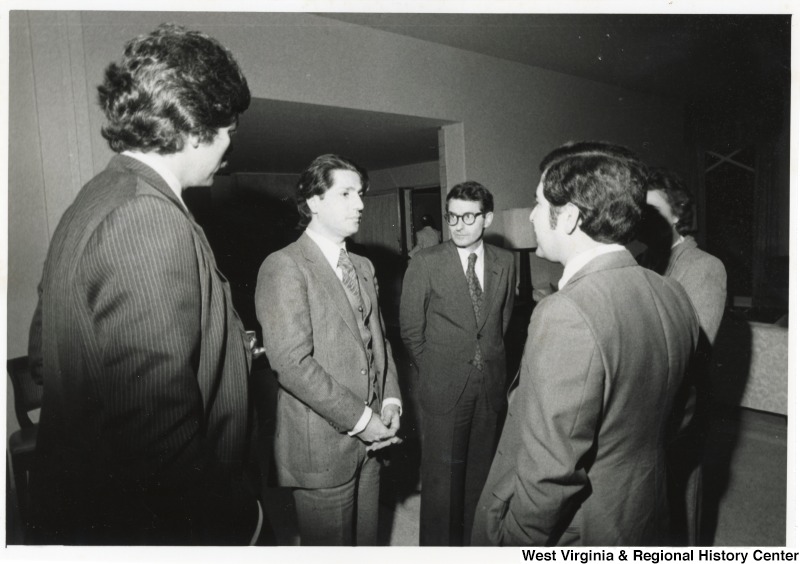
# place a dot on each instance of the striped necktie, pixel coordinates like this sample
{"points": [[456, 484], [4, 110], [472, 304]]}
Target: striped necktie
{"points": [[349, 278]]}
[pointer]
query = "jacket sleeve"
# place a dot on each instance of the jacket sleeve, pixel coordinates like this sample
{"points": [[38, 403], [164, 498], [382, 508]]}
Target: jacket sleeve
{"points": [[511, 287], [707, 289], [284, 312], [413, 307], [556, 406]]}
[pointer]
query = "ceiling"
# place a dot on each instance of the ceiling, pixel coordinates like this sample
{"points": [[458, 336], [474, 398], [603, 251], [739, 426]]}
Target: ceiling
{"points": [[682, 56], [693, 58], [284, 137]]}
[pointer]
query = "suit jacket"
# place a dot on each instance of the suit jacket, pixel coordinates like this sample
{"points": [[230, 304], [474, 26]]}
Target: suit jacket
{"points": [[704, 278], [581, 457], [315, 348], [439, 329], [144, 363]]}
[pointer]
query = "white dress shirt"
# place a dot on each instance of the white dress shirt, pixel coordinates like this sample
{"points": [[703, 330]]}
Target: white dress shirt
{"points": [[463, 254], [330, 251]]}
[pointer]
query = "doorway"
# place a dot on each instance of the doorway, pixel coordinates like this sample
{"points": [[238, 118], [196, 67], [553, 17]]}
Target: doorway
{"points": [[419, 202]]}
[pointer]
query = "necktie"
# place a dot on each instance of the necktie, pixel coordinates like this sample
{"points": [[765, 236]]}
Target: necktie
{"points": [[476, 294], [349, 278], [350, 282]]}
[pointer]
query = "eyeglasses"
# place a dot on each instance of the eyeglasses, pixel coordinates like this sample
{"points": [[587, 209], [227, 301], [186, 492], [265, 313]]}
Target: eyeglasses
{"points": [[468, 218]]}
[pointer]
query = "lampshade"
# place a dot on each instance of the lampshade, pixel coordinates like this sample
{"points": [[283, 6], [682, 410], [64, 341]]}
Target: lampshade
{"points": [[516, 228]]}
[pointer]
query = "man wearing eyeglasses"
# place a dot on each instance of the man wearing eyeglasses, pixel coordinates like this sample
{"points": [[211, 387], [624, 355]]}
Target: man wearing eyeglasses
{"points": [[455, 308]]}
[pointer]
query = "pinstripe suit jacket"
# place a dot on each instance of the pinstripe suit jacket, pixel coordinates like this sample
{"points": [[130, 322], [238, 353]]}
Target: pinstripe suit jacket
{"points": [[316, 351], [144, 365]]}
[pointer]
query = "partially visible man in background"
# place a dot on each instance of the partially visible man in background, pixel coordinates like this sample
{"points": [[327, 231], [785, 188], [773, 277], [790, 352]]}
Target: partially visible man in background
{"points": [[704, 278], [702, 275], [144, 362], [426, 236]]}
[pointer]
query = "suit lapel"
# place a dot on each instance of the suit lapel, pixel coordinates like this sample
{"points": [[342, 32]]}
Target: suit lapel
{"points": [[492, 272], [368, 293], [328, 280]]}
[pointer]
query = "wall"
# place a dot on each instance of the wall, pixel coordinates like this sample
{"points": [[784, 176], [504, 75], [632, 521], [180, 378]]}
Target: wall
{"points": [[509, 114], [422, 174]]}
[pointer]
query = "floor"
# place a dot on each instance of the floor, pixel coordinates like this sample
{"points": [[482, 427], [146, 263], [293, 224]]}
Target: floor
{"points": [[746, 483], [744, 497], [745, 488]]}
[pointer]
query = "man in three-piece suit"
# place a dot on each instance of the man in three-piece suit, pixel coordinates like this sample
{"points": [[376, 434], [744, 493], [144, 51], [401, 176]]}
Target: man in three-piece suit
{"points": [[144, 362], [455, 307], [339, 399], [581, 459]]}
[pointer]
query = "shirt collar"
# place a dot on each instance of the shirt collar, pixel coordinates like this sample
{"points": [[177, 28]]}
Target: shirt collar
{"points": [[155, 163], [464, 253], [579, 261], [680, 240], [329, 249]]}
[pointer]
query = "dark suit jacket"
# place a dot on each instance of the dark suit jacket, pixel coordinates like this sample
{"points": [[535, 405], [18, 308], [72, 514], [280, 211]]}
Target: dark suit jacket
{"points": [[439, 329], [581, 457], [315, 348], [144, 363]]}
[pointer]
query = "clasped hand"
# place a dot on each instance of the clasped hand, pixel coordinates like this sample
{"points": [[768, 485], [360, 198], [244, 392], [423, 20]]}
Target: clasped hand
{"points": [[255, 350], [381, 431]]}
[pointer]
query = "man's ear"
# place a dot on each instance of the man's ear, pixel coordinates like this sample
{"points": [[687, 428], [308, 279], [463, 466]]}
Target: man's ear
{"points": [[193, 140], [487, 219], [313, 203], [570, 218]]}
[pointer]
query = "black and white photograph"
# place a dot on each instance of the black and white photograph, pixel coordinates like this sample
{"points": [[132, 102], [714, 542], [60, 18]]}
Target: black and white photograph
{"points": [[511, 278]]}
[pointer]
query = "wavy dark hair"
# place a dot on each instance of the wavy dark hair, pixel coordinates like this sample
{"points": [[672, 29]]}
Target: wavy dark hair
{"points": [[317, 179], [170, 83], [680, 201], [605, 182], [472, 191]]}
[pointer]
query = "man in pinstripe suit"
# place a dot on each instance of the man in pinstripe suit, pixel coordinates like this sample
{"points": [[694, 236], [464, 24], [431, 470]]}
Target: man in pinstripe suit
{"points": [[144, 361]]}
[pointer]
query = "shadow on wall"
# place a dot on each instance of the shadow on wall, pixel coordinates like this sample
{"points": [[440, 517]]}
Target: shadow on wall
{"points": [[390, 268]]}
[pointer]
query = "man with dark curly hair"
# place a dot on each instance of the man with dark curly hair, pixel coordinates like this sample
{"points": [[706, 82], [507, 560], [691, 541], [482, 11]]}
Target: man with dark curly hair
{"points": [[581, 456], [144, 362]]}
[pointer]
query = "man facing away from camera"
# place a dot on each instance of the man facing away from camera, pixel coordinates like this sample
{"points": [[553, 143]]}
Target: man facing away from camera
{"points": [[144, 362], [581, 459], [339, 399]]}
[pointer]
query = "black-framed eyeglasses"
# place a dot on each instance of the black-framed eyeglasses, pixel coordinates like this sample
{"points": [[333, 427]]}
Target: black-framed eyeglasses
{"points": [[468, 218]]}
